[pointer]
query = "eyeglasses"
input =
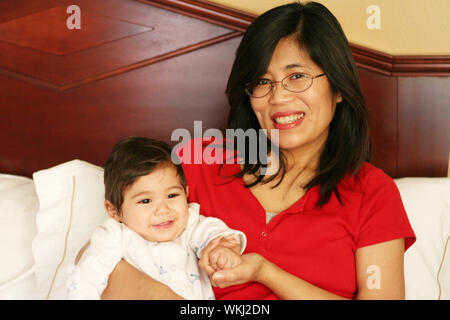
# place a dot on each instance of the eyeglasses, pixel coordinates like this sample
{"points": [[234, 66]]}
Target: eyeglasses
{"points": [[296, 82]]}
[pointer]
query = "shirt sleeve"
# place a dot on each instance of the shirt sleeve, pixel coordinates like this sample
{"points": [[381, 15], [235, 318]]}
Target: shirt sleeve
{"points": [[382, 214], [207, 229], [90, 277]]}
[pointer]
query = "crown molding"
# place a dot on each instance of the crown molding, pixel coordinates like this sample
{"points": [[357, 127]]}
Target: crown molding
{"points": [[410, 66], [207, 11], [365, 58]]}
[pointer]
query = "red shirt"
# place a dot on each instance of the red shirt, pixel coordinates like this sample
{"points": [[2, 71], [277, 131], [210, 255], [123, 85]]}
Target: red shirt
{"points": [[317, 245]]}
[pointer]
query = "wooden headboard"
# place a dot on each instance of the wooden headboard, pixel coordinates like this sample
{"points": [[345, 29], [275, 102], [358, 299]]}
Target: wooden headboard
{"points": [[149, 67]]}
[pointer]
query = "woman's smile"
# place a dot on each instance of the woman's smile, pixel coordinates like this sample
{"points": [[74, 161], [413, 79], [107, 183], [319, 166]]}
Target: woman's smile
{"points": [[287, 120]]}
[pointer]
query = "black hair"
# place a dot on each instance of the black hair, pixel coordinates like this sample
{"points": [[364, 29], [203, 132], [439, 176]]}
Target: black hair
{"points": [[318, 32], [131, 158]]}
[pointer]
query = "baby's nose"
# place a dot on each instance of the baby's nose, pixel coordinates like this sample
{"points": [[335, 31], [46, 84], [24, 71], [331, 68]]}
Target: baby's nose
{"points": [[162, 208]]}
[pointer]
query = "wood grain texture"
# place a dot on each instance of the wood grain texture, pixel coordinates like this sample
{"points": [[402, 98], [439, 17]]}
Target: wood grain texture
{"points": [[56, 106], [380, 93], [46, 127], [54, 37], [424, 126], [157, 36]]}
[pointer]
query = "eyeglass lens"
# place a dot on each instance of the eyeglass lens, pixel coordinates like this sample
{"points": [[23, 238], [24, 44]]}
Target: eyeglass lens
{"points": [[296, 82]]}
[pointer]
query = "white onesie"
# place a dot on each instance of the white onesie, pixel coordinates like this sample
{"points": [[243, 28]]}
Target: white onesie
{"points": [[174, 263]]}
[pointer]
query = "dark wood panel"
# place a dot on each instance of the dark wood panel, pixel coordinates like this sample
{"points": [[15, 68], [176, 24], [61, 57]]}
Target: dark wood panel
{"points": [[47, 127], [13, 9], [96, 29], [125, 91], [424, 126], [380, 93], [137, 42]]}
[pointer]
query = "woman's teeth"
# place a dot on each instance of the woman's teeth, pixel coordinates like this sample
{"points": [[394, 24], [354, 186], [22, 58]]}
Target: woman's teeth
{"points": [[289, 119]]}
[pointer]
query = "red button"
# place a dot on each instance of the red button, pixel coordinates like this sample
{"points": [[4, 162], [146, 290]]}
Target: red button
{"points": [[263, 234]]}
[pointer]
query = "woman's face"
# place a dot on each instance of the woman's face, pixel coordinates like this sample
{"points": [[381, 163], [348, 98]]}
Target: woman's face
{"points": [[302, 118]]}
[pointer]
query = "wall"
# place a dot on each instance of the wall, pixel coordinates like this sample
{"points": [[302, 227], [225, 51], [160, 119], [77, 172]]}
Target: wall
{"points": [[408, 27]]}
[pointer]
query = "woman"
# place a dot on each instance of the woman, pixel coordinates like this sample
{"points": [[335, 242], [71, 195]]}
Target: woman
{"points": [[327, 225]]}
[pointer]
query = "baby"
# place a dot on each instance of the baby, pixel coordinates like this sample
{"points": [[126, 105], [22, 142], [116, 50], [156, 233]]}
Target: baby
{"points": [[152, 226]]}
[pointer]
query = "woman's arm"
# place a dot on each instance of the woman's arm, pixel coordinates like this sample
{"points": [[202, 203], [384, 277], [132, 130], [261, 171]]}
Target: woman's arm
{"points": [[379, 271], [289, 287], [387, 256], [128, 283], [285, 285]]}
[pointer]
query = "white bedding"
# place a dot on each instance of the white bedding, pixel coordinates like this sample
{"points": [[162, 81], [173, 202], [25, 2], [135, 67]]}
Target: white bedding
{"points": [[45, 221]]}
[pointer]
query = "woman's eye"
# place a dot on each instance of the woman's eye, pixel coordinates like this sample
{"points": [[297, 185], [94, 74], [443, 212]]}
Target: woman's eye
{"points": [[298, 76], [145, 201], [263, 82], [172, 195]]}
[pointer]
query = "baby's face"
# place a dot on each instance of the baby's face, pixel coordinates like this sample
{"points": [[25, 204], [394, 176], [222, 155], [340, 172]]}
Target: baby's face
{"points": [[155, 206]]}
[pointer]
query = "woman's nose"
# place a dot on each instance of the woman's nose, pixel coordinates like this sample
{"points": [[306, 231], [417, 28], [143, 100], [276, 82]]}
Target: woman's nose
{"points": [[279, 94]]}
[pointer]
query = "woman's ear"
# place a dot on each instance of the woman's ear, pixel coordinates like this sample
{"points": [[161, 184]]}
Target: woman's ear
{"points": [[112, 211], [338, 97]]}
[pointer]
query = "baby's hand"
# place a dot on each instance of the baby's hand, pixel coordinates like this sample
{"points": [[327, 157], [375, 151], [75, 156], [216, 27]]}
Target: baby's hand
{"points": [[224, 258]]}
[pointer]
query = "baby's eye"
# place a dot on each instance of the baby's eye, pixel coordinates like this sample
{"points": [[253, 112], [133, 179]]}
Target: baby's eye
{"points": [[145, 201], [173, 195]]}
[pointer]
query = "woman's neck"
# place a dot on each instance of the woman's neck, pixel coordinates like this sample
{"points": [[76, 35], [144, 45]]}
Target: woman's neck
{"points": [[301, 165], [300, 169], [304, 159]]}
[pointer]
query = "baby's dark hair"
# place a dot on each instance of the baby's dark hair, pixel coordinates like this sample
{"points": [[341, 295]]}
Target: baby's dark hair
{"points": [[131, 158]]}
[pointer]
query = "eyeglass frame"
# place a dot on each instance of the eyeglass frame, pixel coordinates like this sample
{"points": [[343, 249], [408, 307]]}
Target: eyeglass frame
{"points": [[272, 84]]}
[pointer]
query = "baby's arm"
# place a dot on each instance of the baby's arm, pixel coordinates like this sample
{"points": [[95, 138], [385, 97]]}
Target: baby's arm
{"points": [[228, 243], [90, 276]]}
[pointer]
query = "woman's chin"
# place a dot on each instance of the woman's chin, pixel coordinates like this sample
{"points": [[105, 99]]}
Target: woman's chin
{"points": [[290, 143]]}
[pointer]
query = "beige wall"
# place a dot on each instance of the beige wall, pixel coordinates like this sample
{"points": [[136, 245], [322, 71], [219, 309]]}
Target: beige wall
{"points": [[408, 27]]}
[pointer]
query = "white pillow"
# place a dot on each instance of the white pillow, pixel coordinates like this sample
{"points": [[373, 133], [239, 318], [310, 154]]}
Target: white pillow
{"points": [[59, 221], [427, 203], [71, 197], [18, 208]]}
